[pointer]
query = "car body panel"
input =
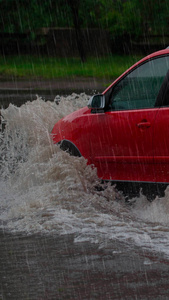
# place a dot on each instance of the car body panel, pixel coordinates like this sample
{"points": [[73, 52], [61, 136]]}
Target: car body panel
{"points": [[124, 144], [124, 150], [161, 145], [75, 128]]}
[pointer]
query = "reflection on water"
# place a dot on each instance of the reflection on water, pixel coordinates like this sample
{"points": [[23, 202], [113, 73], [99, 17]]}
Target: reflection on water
{"points": [[46, 192]]}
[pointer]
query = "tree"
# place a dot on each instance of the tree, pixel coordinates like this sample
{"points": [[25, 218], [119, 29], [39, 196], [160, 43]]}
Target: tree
{"points": [[132, 18], [74, 6], [23, 15]]}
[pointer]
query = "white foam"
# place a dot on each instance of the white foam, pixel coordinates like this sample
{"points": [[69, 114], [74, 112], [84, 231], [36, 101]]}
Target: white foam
{"points": [[43, 189]]}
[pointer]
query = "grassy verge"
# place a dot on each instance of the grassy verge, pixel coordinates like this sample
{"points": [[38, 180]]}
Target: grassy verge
{"points": [[53, 67]]}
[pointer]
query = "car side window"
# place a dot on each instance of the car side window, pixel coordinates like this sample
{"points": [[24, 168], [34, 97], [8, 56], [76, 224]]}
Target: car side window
{"points": [[140, 88]]}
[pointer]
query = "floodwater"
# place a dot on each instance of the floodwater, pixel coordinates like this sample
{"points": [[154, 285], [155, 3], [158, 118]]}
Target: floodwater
{"points": [[60, 237]]}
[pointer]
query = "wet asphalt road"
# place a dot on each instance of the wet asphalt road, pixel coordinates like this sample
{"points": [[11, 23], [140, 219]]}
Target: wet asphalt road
{"points": [[54, 267], [17, 92]]}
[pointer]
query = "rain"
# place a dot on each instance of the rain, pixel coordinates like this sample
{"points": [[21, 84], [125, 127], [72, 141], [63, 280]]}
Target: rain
{"points": [[64, 232]]}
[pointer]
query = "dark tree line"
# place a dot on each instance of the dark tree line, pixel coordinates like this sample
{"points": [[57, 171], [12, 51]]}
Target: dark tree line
{"points": [[121, 17], [131, 16]]}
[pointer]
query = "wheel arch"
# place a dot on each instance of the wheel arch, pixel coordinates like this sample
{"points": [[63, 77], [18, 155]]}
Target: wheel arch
{"points": [[69, 147]]}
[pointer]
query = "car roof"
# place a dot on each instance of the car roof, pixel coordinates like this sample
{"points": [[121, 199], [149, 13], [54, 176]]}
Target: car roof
{"points": [[154, 54], [157, 53]]}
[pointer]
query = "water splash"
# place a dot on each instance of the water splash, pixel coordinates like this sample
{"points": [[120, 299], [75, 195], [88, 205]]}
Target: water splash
{"points": [[43, 189]]}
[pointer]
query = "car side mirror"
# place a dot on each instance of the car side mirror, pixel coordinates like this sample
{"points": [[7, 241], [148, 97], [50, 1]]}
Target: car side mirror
{"points": [[97, 102]]}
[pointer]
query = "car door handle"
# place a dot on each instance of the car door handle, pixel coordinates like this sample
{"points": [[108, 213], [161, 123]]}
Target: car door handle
{"points": [[144, 124]]}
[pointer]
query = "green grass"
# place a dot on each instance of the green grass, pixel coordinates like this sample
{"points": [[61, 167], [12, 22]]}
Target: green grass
{"points": [[29, 67]]}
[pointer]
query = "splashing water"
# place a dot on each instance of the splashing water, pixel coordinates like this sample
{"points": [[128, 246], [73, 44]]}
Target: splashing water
{"points": [[43, 189]]}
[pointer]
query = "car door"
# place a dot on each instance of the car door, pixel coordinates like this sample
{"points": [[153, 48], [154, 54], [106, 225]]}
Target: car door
{"points": [[122, 136], [161, 134]]}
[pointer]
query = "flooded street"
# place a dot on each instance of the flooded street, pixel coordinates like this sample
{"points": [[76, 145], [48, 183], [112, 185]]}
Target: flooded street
{"points": [[62, 238], [54, 267]]}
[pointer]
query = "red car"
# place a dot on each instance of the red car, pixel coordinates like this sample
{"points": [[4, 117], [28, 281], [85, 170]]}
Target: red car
{"points": [[124, 131]]}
